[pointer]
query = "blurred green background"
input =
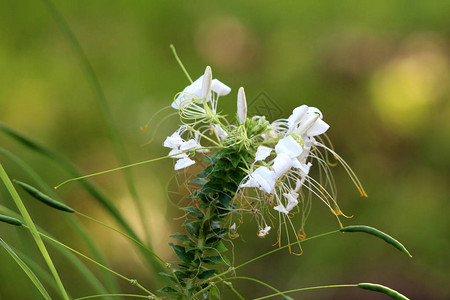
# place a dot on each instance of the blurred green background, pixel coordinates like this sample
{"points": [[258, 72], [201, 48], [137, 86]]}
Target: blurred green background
{"points": [[378, 70]]}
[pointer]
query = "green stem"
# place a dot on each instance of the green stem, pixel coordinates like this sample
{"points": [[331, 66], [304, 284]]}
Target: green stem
{"points": [[251, 279], [180, 63], [268, 253], [307, 289], [129, 166], [133, 240], [113, 295], [29, 222], [132, 281]]}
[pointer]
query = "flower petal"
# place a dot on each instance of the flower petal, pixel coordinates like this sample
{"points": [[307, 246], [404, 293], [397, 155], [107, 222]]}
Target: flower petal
{"points": [[281, 164], [184, 163], [318, 128], [220, 88], [281, 209], [173, 141], [289, 146], [262, 153]]}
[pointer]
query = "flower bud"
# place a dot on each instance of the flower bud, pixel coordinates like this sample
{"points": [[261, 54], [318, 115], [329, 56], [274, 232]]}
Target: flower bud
{"points": [[206, 84], [241, 106]]}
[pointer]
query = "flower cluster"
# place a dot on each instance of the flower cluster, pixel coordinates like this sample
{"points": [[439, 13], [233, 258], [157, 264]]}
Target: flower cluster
{"points": [[282, 153]]}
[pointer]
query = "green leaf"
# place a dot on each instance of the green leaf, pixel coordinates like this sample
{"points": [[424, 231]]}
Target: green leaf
{"points": [[169, 290], [216, 260], [199, 181], [214, 292], [220, 247], [206, 274], [373, 231], [181, 253], [181, 237], [382, 289], [193, 228], [194, 212], [27, 270]]}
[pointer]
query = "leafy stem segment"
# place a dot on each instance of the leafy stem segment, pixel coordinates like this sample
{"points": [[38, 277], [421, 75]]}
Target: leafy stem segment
{"points": [[201, 249]]}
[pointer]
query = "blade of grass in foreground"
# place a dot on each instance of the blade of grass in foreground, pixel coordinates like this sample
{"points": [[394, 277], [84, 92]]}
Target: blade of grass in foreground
{"points": [[107, 118], [29, 222], [99, 196], [84, 271], [74, 222], [26, 269]]}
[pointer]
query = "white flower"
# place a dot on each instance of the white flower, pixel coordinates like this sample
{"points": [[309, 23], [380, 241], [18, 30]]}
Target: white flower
{"points": [[281, 164], [220, 88], [221, 133], [262, 153], [261, 178], [200, 89], [188, 145], [241, 106], [281, 209], [184, 162], [306, 121], [173, 141], [263, 232], [288, 145], [233, 227], [297, 115], [292, 200]]}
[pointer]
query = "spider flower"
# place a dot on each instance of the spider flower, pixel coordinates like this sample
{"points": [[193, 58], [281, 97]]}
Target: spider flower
{"points": [[276, 157]]}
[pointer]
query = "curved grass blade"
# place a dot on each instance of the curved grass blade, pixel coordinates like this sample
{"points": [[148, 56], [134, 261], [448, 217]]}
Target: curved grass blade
{"points": [[98, 195], [74, 222], [107, 118], [382, 289], [85, 272], [373, 231], [29, 222], [26, 269]]}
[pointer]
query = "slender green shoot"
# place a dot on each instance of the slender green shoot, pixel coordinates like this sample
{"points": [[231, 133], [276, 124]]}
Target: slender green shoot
{"points": [[26, 269], [29, 222], [278, 292], [113, 295], [174, 51], [130, 166], [85, 272], [232, 269], [132, 281], [308, 289]]}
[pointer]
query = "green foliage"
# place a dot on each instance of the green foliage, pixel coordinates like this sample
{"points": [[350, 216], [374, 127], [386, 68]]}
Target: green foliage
{"points": [[204, 224]]}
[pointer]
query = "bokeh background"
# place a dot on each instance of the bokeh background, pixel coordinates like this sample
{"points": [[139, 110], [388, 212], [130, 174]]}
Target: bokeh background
{"points": [[378, 70]]}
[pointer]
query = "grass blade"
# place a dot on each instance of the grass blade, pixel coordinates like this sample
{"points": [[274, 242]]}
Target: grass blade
{"points": [[104, 110], [99, 196], [29, 222], [378, 233], [74, 222], [85, 272], [26, 269]]}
